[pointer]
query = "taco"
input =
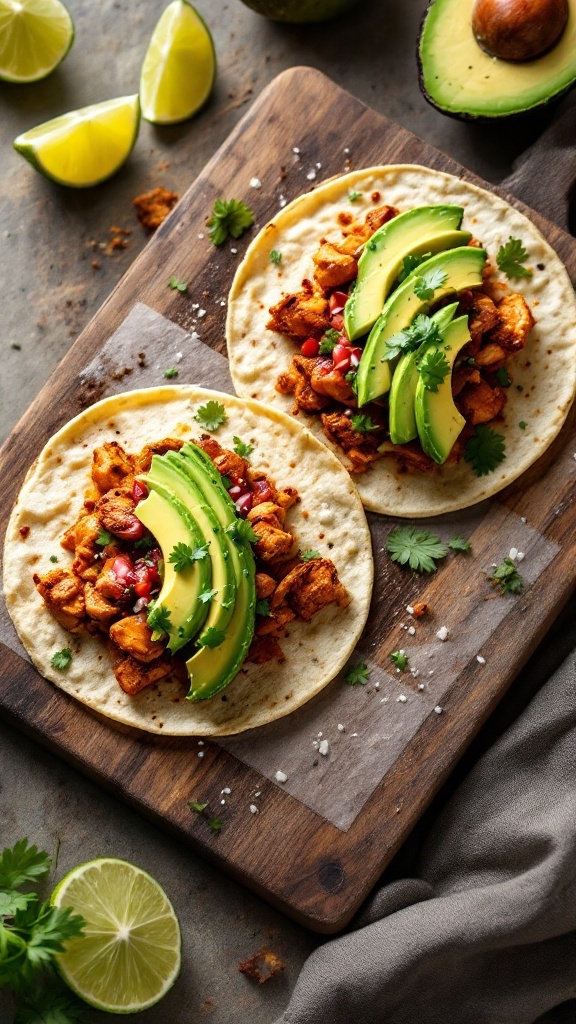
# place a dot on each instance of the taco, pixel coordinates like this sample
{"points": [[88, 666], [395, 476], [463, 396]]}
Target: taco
{"points": [[179, 560], [419, 326]]}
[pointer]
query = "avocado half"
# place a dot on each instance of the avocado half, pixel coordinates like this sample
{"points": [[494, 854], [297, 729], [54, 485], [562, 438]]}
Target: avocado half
{"points": [[459, 78]]}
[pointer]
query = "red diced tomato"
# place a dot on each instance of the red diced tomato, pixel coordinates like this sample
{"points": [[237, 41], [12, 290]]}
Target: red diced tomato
{"points": [[341, 357], [310, 347], [263, 490], [337, 302], [244, 503], [143, 588], [124, 570], [355, 357], [139, 490], [133, 531]]}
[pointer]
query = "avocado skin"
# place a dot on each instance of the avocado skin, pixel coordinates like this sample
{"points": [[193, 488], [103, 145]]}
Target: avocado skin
{"points": [[520, 116], [300, 12]]}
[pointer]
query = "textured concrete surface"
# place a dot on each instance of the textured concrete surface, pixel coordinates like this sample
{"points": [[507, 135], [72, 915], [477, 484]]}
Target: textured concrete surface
{"points": [[49, 237]]}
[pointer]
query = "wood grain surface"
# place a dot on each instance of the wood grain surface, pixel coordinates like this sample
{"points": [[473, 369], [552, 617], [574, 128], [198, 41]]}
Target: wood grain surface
{"points": [[304, 865]]}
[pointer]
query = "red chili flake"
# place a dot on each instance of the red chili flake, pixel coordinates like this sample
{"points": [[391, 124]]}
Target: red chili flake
{"points": [[24, 531]]}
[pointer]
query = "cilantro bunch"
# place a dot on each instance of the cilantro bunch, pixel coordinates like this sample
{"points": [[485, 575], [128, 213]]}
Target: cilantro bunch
{"points": [[32, 932]]}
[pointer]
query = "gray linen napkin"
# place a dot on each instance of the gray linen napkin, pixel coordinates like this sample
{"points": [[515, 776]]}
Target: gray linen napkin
{"points": [[480, 925]]}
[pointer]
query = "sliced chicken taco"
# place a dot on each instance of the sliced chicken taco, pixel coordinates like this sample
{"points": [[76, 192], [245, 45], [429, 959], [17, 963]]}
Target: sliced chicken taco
{"points": [[420, 326], [181, 561]]}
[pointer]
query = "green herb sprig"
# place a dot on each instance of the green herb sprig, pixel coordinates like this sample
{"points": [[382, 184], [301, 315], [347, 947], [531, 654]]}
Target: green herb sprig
{"points": [[418, 549], [229, 217], [510, 258]]}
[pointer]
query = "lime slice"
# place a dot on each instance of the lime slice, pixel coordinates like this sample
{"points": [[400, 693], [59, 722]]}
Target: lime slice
{"points": [[179, 67], [35, 35], [129, 955], [83, 147]]}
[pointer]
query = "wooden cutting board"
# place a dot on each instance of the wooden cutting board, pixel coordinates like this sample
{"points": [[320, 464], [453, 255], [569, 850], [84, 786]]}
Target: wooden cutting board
{"points": [[289, 853]]}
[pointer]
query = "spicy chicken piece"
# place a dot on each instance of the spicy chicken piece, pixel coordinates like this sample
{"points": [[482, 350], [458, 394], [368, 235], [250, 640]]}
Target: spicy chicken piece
{"points": [[133, 635], [483, 315], [275, 623], [98, 607], [479, 403], [325, 380], [333, 268], [300, 315], [491, 356], [63, 594], [273, 542], [286, 497], [309, 587], [338, 428], [110, 465], [108, 585], [515, 321], [143, 461], [133, 676], [409, 456], [265, 585], [463, 375], [356, 234], [81, 539], [116, 512], [296, 381], [263, 649]]}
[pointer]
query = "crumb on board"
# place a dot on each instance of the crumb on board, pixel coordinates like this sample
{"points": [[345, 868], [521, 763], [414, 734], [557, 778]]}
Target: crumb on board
{"points": [[153, 207], [262, 966]]}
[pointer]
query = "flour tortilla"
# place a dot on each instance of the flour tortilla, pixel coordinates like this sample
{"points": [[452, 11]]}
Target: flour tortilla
{"points": [[335, 525], [545, 369]]}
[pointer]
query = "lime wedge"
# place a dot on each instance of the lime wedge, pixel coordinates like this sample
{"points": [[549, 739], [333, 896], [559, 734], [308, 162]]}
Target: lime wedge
{"points": [[35, 35], [129, 955], [83, 147], [179, 67]]}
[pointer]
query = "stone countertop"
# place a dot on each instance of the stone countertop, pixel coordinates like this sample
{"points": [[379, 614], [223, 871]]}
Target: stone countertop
{"points": [[56, 274]]}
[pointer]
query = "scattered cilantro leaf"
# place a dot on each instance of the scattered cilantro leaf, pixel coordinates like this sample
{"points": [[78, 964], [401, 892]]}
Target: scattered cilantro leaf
{"points": [[426, 284], [362, 423], [522, 424], [22, 863], [176, 285], [229, 217], [104, 537], [197, 806], [182, 555], [507, 578], [53, 558], [159, 620], [207, 595], [226, 481], [460, 545], [357, 674], [328, 341], [309, 554], [409, 263], [62, 659], [214, 823], [275, 257], [417, 548], [485, 450], [354, 196], [400, 660], [241, 530], [211, 638], [421, 331], [145, 544], [170, 373], [433, 368], [263, 607], [242, 448], [510, 258], [211, 416], [502, 377], [351, 378]]}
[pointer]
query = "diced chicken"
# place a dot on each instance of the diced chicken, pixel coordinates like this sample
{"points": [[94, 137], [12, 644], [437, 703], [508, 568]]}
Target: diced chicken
{"points": [[483, 315], [267, 512], [133, 635], [463, 375], [409, 456], [309, 587], [333, 268], [275, 624], [479, 403], [381, 215], [98, 607], [133, 677], [110, 465], [265, 585], [144, 459], [491, 356], [296, 381], [230, 464], [108, 585], [300, 315], [116, 511], [515, 321], [263, 649], [273, 541], [63, 593], [286, 497], [330, 382], [361, 449], [81, 539]]}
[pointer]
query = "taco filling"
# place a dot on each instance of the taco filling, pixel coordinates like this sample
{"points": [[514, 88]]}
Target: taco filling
{"points": [[184, 565], [405, 342]]}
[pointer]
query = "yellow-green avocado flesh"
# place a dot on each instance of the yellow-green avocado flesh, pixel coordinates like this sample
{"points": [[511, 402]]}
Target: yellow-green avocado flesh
{"points": [[462, 268], [437, 418], [458, 77]]}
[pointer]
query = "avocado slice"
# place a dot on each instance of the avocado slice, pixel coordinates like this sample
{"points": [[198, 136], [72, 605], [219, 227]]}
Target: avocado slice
{"points": [[172, 523], [402, 416], [163, 473], [437, 418], [462, 268], [425, 229], [460, 79]]}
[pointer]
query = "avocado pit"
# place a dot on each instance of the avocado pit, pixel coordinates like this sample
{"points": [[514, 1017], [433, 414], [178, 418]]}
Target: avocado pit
{"points": [[518, 30]]}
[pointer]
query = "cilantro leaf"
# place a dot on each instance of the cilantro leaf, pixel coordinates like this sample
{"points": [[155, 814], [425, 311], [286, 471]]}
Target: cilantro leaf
{"points": [[426, 284], [522, 424], [400, 659], [104, 538], [207, 595], [22, 863], [357, 674], [214, 823], [510, 258], [409, 263], [197, 806], [417, 548], [351, 378], [54, 558], [211, 416], [354, 196], [159, 620], [433, 368], [229, 217], [328, 341], [44, 929], [170, 373], [211, 638], [507, 578], [421, 331], [263, 607], [182, 555], [242, 448], [241, 530], [460, 545], [502, 377], [275, 257], [61, 659], [362, 423], [176, 285], [309, 554], [485, 450]]}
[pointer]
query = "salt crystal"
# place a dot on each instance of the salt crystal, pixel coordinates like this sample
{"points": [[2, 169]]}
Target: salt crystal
{"points": [[226, 790], [200, 753], [520, 556], [401, 699], [201, 234], [480, 659], [223, 802], [257, 793], [324, 748], [255, 183], [354, 734], [296, 150], [200, 743], [311, 175], [411, 630], [201, 312], [282, 201], [234, 251], [280, 776], [340, 727], [513, 554], [438, 709], [318, 166], [320, 735], [376, 686], [346, 149], [420, 686], [178, 357], [253, 809], [523, 518], [409, 609], [442, 633]]}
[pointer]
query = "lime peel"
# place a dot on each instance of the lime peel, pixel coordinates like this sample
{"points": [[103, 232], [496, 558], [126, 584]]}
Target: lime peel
{"points": [[35, 36], [179, 68]]}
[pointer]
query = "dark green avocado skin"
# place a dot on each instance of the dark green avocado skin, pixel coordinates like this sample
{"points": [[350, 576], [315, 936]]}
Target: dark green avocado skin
{"points": [[300, 12], [517, 117]]}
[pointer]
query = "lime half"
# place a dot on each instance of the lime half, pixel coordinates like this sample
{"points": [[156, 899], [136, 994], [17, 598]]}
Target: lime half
{"points": [[179, 67], [129, 955], [35, 35], [83, 147]]}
